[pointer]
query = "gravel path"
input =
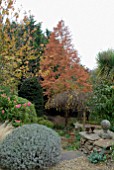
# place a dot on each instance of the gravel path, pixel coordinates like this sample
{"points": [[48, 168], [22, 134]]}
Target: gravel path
{"points": [[75, 160], [81, 163]]}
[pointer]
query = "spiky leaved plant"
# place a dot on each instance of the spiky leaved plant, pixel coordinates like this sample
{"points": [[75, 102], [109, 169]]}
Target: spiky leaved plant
{"points": [[5, 129]]}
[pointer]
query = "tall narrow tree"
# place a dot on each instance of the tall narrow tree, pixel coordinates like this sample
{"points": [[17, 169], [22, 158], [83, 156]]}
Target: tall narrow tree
{"points": [[60, 67], [13, 57]]}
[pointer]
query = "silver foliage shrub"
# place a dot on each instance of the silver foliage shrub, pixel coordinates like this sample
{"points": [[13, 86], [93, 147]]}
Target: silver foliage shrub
{"points": [[30, 147]]}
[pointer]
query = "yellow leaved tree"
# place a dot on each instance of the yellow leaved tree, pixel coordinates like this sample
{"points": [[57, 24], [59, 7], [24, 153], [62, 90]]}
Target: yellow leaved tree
{"points": [[15, 46]]}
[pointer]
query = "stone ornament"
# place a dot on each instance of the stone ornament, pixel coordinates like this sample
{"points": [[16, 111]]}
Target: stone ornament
{"points": [[105, 124]]}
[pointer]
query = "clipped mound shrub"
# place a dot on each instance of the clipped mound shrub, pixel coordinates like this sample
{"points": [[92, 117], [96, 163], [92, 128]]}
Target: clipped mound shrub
{"points": [[32, 90], [17, 110], [30, 147]]}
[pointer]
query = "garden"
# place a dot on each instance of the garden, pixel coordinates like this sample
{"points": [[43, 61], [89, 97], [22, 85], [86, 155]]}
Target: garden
{"points": [[55, 113]]}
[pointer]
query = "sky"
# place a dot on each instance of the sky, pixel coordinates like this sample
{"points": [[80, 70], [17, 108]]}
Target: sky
{"points": [[90, 22]]}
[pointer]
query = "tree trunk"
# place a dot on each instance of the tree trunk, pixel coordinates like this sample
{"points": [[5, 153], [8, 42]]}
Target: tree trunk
{"points": [[84, 119], [66, 119]]}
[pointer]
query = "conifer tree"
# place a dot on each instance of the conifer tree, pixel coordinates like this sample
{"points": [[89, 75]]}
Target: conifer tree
{"points": [[60, 66]]}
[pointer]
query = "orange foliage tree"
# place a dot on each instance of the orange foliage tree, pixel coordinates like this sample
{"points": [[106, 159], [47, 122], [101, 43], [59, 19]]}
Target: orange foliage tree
{"points": [[60, 66]]}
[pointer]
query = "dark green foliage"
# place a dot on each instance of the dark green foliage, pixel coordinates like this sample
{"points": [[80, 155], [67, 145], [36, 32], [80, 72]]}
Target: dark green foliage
{"points": [[96, 157], [102, 102], [112, 128], [31, 90], [30, 147]]}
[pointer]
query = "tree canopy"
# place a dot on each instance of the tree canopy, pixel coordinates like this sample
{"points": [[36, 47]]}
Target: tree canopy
{"points": [[60, 65], [21, 45]]}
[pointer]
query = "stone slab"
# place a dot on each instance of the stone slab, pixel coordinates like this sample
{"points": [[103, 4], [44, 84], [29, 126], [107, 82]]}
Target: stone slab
{"points": [[104, 142], [92, 136], [68, 155]]}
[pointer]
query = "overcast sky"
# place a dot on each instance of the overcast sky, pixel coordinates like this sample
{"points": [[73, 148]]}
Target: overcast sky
{"points": [[90, 22]]}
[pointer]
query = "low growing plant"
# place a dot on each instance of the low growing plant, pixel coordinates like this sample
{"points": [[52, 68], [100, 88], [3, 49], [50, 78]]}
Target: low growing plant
{"points": [[96, 157], [74, 145]]}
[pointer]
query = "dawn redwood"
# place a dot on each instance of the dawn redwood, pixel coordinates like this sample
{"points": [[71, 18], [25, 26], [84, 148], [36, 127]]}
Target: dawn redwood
{"points": [[60, 66], [61, 70]]}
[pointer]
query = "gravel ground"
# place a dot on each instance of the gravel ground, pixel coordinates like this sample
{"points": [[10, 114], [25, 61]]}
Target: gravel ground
{"points": [[81, 163]]}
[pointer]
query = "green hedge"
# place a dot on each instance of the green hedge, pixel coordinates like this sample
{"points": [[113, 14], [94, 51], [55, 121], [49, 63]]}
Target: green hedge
{"points": [[32, 90]]}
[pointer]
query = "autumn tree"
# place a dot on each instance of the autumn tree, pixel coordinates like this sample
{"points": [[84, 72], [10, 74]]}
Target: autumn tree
{"points": [[61, 70], [60, 66], [38, 41], [14, 59], [16, 45]]}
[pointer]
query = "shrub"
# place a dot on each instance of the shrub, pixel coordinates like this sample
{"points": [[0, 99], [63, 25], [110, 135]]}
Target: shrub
{"points": [[31, 90], [102, 102], [44, 121], [17, 110], [5, 89], [30, 147]]}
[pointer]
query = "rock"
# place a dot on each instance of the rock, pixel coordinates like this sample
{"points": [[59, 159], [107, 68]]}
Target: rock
{"points": [[89, 142], [92, 136], [104, 143], [78, 126], [90, 147]]}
